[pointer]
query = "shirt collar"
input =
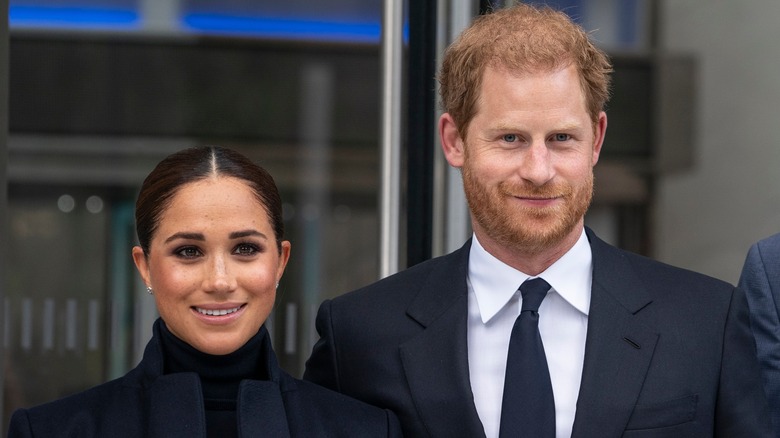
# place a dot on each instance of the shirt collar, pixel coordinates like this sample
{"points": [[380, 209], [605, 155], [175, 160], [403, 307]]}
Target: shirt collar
{"points": [[494, 282]]}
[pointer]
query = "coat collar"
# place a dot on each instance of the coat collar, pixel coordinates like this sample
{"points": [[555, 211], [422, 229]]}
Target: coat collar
{"points": [[173, 403]]}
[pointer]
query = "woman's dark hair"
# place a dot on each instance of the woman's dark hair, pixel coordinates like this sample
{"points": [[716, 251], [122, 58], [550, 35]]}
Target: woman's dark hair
{"points": [[195, 164]]}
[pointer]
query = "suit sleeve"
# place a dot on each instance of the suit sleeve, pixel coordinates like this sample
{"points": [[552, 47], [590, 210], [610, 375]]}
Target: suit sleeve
{"points": [[741, 409], [393, 425], [322, 366], [765, 326], [20, 425]]}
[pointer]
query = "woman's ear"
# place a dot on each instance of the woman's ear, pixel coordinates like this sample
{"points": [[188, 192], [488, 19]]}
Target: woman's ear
{"points": [[284, 257], [142, 264]]}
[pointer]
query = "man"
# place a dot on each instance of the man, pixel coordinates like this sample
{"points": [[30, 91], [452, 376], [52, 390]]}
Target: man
{"points": [[628, 344], [761, 281]]}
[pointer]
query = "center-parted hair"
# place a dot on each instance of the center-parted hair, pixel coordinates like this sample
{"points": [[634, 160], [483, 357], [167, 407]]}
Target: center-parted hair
{"points": [[520, 39], [196, 164]]}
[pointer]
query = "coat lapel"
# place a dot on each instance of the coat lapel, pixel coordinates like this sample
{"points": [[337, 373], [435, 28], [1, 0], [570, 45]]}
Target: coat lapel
{"points": [[175, 403], [261, 410], [436, 360], [618, 348]]}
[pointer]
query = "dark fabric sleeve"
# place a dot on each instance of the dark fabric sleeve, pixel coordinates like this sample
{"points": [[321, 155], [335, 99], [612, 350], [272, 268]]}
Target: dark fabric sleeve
{"points": [[765, 323], [393, 425], [322, 365], [20, 425], [741, 409]]}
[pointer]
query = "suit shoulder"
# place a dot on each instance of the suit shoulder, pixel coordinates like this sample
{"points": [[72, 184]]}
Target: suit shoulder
{"points": [[658, 272], [338, 414], [769, 246], [329, 400]]}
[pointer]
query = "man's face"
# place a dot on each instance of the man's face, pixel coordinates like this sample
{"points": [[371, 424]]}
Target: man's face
{"points": [[528, 158]]}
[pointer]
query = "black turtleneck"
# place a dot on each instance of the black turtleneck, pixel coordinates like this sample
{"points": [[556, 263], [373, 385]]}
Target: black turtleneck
{"points": [[220, 376]]}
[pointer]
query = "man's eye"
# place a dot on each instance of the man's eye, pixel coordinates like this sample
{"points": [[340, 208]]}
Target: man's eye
{"points": [[510, 138], [562, 137], [246, 249], [188, 252]]}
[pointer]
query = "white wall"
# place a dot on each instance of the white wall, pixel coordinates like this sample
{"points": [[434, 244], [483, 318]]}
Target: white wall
{"points": [[706, 218]]}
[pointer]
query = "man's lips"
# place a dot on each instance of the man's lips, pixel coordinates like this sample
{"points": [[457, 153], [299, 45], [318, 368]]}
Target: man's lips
{"points": [[537, 198]]}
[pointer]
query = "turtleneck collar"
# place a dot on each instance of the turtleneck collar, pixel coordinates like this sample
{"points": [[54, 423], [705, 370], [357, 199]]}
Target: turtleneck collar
{"points": [[220, 375]]}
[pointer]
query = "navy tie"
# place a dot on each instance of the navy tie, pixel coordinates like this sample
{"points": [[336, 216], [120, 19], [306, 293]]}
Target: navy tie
{"points": [[528, 409]]}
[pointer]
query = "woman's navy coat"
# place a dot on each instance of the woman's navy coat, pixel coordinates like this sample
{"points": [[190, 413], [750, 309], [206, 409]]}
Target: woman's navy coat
{"points": [[147, 403]]}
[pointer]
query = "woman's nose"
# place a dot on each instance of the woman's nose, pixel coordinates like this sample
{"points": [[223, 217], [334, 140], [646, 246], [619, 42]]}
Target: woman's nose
{"points": [[218, 278]]}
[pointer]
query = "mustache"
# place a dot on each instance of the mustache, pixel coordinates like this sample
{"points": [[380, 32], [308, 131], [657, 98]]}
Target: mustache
{"points": [[529, 190]]}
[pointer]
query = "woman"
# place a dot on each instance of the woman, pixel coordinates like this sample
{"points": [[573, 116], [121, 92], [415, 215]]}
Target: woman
{"points": [[210, 230]]}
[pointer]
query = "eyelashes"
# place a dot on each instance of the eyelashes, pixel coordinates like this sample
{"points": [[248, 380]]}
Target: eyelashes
{"points": [[247, 249], [187, 252], [243, 249]]}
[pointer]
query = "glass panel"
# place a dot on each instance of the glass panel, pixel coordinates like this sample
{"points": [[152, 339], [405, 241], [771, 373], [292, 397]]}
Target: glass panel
{"points": [[74, 14], [55, 306], [344, 20], [616, 24], [92, 112], [332, 20]]}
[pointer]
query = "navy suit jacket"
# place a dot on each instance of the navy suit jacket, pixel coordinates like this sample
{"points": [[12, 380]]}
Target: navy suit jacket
{"points": [[147, 403], [761, 281], [668, 352]]}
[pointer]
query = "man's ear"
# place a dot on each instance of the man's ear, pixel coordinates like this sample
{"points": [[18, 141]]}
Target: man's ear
{"points": [[598, 140], [451, 143]]}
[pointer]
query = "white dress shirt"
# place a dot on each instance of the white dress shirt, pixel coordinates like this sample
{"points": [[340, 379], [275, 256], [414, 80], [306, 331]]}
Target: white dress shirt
{"points": [[494, 304]]}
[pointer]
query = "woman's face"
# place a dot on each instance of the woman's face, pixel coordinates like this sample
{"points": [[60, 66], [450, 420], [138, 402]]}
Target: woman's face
{"points": [[213, 264]]}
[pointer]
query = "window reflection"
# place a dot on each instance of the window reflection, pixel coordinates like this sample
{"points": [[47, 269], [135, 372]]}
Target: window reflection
{"points": [[91, 114]]}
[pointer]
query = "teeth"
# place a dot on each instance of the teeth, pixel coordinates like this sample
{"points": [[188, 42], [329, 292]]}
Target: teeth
{"points": [[217, 312]]}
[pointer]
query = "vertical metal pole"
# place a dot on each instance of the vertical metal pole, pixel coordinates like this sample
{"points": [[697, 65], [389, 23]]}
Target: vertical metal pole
{"points": [[318, 82], [390, 131], [4, 237], [420, 129], [451, 225]]}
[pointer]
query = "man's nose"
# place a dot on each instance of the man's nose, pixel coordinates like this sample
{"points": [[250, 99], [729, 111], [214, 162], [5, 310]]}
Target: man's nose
{"points": [[536, 166]]}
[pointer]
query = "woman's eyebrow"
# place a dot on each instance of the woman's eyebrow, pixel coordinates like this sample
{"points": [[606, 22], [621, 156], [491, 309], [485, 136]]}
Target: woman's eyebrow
{"points": [[246, 233], [186, 235]]}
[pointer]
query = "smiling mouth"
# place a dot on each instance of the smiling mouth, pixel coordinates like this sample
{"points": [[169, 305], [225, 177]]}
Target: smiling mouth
{"points": [[532, 198], [218, 312]]}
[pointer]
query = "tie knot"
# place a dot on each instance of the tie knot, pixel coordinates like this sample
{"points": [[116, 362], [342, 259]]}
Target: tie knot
{"points": [[533, 291]]}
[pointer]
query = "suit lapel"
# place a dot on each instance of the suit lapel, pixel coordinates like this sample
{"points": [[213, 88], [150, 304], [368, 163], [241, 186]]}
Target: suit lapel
{"points": [[618, 348], [436, 360]]}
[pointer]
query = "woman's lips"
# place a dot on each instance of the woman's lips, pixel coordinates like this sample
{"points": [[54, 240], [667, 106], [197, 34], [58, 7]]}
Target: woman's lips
{"points": [[218, 311]]}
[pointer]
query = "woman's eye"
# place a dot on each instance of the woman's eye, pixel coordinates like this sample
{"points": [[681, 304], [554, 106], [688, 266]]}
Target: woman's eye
{"points": [[510, 138], [188, 252], [246, 249], [561, 137]]}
